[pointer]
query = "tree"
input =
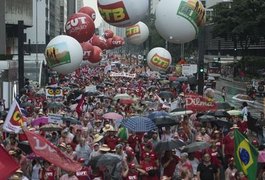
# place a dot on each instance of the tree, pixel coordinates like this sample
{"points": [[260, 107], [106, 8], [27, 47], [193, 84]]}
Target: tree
{"points": [[242, 21]]}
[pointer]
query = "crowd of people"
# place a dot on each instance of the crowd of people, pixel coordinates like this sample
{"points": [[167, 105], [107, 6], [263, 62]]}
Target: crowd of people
{"points": [[136, 151]]}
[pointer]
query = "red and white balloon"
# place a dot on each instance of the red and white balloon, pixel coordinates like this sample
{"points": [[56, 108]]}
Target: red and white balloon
{"points": [[159, 59], [117, 41], [137, 34], [99, 41], [80, 26], [87, 50], [122, 13], [108, 34], [64, 54], [96, 55]]}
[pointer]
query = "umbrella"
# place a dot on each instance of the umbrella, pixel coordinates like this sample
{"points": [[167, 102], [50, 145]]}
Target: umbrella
{"points": [[219, 113], [222, 123], [138, 124], [168, 145], [122, 96], [196, 146], [182, 79], [112, 115], [152, 87], [51, 127], [206, 118], [108, 83], [25, 147], [179, 113], [72, 120], [166, 94], [162, 118], [234, 112], [40, 121], [126, 101], [223, 105], [107, 159], [55, 105], [26, 104]]}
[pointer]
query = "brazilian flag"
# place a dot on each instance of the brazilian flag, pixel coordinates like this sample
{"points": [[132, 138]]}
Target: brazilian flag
{"points": [[246, 156]]}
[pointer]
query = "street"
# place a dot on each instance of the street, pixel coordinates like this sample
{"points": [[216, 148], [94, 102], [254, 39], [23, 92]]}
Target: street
{"points": [[234, 88]]}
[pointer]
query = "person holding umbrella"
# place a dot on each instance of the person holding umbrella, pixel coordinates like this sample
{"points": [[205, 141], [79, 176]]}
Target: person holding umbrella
{"points": [[148, 168], [169, 162]]}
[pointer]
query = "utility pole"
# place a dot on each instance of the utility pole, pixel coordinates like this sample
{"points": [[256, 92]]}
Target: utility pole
{"points": [[201, 43], [20, 56]]}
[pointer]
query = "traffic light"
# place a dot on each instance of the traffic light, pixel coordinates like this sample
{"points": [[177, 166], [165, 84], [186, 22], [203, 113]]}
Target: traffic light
{"points": [[201, 70]]}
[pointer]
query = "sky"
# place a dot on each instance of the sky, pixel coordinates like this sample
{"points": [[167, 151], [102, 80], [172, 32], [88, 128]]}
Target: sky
{"points": [[93, 4]]}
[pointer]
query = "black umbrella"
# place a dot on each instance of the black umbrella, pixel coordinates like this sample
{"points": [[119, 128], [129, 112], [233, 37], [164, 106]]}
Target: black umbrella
{"points": [[166, 94], [107, 159], [219, 113], [196, 146], [222, 123], [168, 145], [25, 147], [162, 119], [206, 118], [224, 106], [72, 120]]}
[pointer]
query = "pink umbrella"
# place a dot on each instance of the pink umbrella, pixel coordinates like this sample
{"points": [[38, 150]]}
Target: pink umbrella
{"points": [[112, 115], [261, 157], [40, 120]]}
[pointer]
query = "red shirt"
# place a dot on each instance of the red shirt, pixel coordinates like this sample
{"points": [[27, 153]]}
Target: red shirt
{"points": [[229, 145], [48, 174], [111, 142], [242, 125], [214, 157], [170, 169], [148, 166], [83, 173], [132, 141], [133, 173]]}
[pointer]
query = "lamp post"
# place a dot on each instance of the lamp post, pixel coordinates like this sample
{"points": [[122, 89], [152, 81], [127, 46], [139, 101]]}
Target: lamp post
{"points": [[37, 41]]}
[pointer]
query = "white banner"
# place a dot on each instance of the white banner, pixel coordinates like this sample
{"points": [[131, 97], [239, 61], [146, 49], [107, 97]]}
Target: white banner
{"points": [[14, 119], [55, 118], [122, 74]]}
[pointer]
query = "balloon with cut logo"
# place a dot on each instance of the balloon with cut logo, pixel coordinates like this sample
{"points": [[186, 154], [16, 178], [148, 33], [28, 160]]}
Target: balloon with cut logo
{"points": [[99, 41], [137, 34], [178, 21], [108, 34], [64, 54], [122, 13], [117, 41], [109, 44], [87, 50], [89, 11], [159, 59], [80, 26], [96, 55]]}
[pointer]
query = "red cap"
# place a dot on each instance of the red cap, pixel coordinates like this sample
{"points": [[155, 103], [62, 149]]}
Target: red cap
{"points": [[81, 160]]}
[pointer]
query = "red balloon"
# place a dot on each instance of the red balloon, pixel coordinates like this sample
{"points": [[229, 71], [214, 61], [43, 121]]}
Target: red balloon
{"points": [[109, 44], [99, 41], [96, 55], [87, 50], [80, 26], [108, 34], [89, 11], [117, 41]]}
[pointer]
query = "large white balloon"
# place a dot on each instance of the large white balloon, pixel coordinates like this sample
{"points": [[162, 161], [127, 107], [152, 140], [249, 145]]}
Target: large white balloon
{"points": [[159, 59], [137, 34], [64, 54], [178, 21], [123, 13]]}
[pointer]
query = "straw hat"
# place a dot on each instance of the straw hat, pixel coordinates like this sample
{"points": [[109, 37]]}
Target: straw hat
{"points": [[104, 148], [19, 171], [181, 94], [62, 145], [98, 121], [1, 121], [41, 112], [108, 127], [234, 127], [97, 138]]}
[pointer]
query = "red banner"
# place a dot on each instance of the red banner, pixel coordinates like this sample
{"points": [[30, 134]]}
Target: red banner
{"points": [[196, 102], [45, 149], [7, 164]]}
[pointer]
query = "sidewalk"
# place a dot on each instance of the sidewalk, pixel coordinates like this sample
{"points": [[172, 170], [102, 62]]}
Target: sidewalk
{"points": [[237, 82]]}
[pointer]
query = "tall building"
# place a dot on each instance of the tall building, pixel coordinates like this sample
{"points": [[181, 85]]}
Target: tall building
{"points": [[71, 7], [79, 4]]}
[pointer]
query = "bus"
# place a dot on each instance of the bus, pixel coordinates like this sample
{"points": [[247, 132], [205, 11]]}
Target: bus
{"points": [[214, 69]]}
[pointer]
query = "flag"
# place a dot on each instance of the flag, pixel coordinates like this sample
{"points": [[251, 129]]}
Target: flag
{"points": [[123, 133], [7, 164], [14, 119], [48, 151], [79, 107], [246, 156]]}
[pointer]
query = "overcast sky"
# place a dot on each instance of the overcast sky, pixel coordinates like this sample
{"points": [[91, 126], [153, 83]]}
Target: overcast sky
{"points": [[93, 4]]}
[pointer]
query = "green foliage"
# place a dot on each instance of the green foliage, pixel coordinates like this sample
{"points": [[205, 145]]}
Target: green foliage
{"points": [[242, 21]]}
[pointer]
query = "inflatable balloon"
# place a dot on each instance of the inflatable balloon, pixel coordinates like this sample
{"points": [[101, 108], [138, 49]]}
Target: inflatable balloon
{"points": [[159, 59], [178, 21], [137, 34], [109, 44], [108, 34], [88, 11], [87, 50], [80, 26], [64, 54], [122, 13], [117, 41], [99, 41], [96, 55]]}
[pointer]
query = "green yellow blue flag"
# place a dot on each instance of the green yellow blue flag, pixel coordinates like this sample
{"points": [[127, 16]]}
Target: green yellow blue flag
{"points": [[246, 156]]}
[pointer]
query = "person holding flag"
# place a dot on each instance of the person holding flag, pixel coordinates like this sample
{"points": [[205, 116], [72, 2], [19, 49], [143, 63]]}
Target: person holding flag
{"points": [[246, 156]]}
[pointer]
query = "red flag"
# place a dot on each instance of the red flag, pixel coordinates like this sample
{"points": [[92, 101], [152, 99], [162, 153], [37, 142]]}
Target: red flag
{"points": [[45, 149], [79, 107], [7, 164], [196, 102]]}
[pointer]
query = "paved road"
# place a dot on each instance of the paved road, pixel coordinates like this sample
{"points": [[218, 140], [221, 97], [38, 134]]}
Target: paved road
{"points": [[234, 88]]}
